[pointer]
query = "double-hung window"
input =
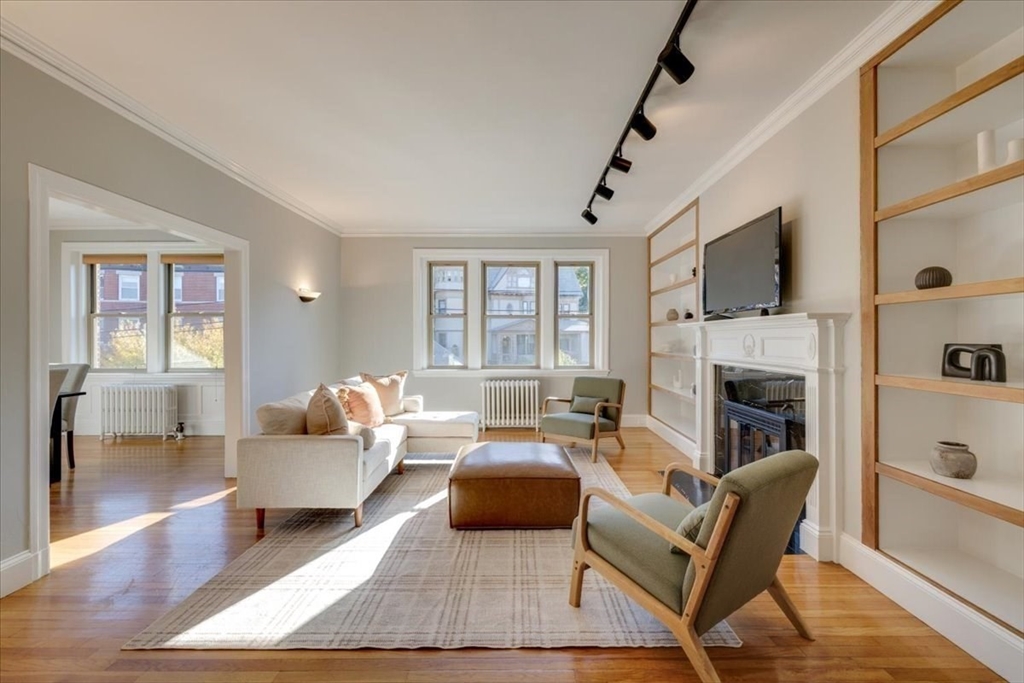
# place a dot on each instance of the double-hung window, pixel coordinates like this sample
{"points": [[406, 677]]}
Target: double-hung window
{"points": [[195, 312], [510, 315], [511, 311], [117, 311]]}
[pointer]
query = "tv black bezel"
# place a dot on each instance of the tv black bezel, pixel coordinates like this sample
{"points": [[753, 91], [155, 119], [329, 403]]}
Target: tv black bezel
{"points": [[777, 301]]}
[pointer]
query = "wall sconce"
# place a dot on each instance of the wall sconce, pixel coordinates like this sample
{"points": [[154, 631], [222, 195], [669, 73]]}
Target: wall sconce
{"points": [[306, 296]]}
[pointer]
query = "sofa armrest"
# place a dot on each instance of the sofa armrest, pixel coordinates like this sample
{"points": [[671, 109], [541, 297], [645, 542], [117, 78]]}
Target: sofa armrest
{"points": [[412, 404], [299, 471]]}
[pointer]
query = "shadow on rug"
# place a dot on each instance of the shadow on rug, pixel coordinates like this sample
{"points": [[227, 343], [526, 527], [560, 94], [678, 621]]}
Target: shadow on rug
{"points": [[405, 580]]}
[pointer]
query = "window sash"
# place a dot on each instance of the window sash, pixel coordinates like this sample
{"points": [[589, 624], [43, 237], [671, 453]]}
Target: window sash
{"points": [[569, 315], [169, 341], [433, 317], [92, 341], [516, 314]]}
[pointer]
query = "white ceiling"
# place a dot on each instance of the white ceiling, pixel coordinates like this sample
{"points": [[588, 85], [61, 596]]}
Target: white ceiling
{"points": [[440, 117]]}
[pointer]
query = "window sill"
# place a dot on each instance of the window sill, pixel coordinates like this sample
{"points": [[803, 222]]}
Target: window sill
{"points": [[510, 372]]}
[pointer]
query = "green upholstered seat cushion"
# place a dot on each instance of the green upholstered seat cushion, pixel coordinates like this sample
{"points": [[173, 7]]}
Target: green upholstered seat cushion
{"points": [[637, 552], [575, 425], [772, 492], [689, 528], [585, 404]]}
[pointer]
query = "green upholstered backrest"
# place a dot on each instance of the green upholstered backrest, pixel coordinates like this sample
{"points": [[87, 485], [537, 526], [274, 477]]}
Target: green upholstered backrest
{"points": [[772, 492], [606, 387]]}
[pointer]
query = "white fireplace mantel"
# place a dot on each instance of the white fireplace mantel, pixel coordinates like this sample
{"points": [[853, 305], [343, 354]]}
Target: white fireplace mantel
{"points": [[806, 344]]}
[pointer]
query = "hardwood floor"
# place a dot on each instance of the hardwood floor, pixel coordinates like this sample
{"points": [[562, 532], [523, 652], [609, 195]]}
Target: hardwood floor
{"points": [[141, 524]]}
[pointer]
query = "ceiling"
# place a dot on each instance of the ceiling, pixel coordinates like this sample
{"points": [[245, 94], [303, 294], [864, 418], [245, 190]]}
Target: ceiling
{"points": [[447, 117], [67, 215]]}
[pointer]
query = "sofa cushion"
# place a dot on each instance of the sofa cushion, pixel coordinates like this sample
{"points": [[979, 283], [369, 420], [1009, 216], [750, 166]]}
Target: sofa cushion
{"points": [[324, 414], [362, 404], [389, 390], [357, 429], [439, 423], [283, 417], [585, 404]]}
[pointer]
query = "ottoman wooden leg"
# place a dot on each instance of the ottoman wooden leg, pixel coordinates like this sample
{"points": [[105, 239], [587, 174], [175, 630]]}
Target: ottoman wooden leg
{"points": [[261, 517]]}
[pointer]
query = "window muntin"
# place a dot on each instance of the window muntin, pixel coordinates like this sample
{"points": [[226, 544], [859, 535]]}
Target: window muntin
{"points": [[446, 320], [117, 314], [574, 319], [510, 321], [195, 319]]}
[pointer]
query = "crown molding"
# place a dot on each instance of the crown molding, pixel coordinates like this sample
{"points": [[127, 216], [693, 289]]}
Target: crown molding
{"points": [[26, 47], [897, 18]]}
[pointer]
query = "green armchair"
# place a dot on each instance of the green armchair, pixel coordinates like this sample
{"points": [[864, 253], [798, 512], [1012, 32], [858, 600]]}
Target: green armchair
{"points": [[690, 583], [595, 412]]}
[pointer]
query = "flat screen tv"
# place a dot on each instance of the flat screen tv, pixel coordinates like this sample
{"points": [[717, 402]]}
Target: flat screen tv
{"points": [[742, 270]]}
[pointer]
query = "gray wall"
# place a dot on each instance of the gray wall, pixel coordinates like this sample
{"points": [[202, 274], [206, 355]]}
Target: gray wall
{"points": [[292, 345], [377, 322]]}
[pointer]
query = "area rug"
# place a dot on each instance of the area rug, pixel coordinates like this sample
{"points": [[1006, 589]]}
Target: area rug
{"points": [[405, 580]]}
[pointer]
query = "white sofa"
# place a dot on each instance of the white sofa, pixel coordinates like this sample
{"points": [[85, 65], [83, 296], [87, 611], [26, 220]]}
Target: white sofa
{"points": [[308, 471]]}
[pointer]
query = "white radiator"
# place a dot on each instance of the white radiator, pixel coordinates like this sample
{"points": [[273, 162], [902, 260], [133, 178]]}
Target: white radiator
{"points": [[511, 403], [138, 409]]}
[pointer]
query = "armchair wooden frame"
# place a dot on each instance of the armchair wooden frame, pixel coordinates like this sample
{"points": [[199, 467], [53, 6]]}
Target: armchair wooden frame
{"points": [[704, 561], [598, 434]]}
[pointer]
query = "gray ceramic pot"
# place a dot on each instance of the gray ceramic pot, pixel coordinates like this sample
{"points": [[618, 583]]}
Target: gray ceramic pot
{"points": [[953, 459]]}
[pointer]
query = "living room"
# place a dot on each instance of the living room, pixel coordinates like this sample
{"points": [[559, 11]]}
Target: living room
{"points": [[361, 149]]}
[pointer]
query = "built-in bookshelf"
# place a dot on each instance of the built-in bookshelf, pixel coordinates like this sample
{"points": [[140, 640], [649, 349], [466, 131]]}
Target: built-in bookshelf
{"points": [[926, 200], [673, 287]]}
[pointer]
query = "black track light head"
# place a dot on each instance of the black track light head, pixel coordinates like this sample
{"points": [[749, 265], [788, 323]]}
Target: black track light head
{"points": [[675, 64], [621, 163], [642, 126], [604, 192], [589, 216]]}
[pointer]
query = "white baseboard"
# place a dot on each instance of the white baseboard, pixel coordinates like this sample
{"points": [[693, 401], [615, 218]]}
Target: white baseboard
{"points": [[675, 439], [634, 420], [993, 645], [18, 571], [817, 542]]}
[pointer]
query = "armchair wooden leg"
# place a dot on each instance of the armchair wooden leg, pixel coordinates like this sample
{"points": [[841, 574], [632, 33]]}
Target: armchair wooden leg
{"points": [[622, 444], [359, 515], [543, 439], [785, 603], [578, 567], [261, 518], [697, 655], [593, 452]]}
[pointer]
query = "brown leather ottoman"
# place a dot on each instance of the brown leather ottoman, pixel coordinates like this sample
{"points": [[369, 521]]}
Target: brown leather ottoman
{"points": [[512, 486]]}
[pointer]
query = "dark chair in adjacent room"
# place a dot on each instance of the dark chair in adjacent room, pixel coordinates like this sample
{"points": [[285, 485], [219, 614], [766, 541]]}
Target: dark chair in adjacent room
{"points": [[693, 567], [69, 406]]}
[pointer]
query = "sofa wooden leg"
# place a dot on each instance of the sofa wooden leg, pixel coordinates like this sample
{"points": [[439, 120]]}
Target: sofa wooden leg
{"points": [[261, 518], [401, 467], [359, 515]]}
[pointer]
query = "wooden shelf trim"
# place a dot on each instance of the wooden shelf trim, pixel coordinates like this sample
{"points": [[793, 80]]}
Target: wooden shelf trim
{"points": [[666, 354], [983, 505], [1013, 285], [675, 392], [675, 285], [957, 189], [674, 252], [908, 35], [960, 97], [989, 390]]}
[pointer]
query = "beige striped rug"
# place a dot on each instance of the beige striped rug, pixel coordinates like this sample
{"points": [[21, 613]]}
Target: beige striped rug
{"points": [[405, 580]]}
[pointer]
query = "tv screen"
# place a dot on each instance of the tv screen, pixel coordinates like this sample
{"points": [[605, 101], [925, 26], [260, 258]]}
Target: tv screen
{"points": [[741, 268]]}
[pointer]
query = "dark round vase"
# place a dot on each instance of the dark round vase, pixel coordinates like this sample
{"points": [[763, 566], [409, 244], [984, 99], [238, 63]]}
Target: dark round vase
{"points": [[933, 276]]}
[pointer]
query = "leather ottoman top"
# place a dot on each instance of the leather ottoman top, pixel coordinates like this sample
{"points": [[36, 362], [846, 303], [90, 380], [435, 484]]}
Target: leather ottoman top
{"points": [[500, 460]]}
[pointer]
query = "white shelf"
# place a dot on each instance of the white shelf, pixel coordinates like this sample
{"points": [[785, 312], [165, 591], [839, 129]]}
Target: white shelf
{"points": [[973, 203], [994, 109], [994, 590], [1000, 487], [678, 393], [963, 33]]}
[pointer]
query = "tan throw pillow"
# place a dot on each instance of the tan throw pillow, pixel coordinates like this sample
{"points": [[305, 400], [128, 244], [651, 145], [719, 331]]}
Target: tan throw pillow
{"points": [[389, 390], [362, 404], [369, 436], [283, 417], [324, 414]]}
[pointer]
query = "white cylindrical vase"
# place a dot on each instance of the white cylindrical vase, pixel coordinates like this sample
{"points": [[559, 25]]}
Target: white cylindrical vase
{"points": [[1015, 150], [986, 150]]}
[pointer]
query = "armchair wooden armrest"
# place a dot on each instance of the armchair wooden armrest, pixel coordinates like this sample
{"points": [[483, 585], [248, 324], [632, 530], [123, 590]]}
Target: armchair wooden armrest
{"points": [[600, 407], [544, 408], [691, 549], [666, 483]]}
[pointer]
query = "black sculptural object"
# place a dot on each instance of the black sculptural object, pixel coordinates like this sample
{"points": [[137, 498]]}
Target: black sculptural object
{"points": [[985, 363]]}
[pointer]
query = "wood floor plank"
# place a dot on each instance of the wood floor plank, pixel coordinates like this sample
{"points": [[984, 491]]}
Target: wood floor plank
{"points": [[142, 523]]}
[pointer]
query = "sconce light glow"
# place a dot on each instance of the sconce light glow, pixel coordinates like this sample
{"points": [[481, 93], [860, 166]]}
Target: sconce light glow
{"points": [[306, 296]]}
